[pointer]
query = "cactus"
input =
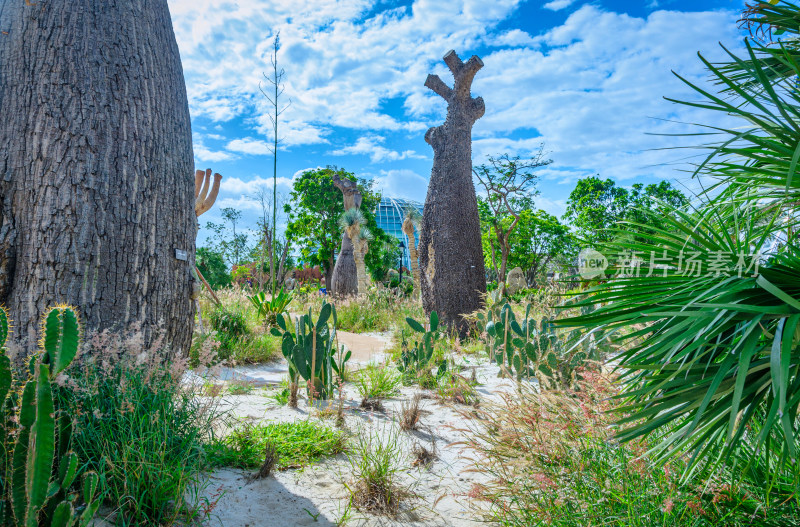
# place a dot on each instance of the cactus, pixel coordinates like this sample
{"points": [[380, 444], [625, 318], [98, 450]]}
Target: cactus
{"points": [[527, 348], [417, 358], [36, 479], [309, 350]]}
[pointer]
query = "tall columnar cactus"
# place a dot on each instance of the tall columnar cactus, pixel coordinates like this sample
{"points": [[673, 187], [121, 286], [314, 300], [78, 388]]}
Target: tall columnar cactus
{"points": [[411, 221], [310, 351], [37, 477]]}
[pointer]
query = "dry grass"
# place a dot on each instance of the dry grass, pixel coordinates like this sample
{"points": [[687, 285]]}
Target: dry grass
{"points": [[411, 413], [375, 460], [271, 458], [422, 456], [373, 405]]}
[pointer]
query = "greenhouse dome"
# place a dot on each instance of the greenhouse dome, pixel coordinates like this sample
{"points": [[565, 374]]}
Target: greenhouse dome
{"points": [[389, 216]]}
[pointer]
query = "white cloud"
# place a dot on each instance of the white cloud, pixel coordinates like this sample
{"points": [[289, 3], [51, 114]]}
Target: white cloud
{"points": [[201, 153], [402, 184], [368, 145], [557, 5], [251, 146]]}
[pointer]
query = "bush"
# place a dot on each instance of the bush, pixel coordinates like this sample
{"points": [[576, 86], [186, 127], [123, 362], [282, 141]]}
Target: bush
{"points": [[231, 327], [377, 382], [139, 429]]}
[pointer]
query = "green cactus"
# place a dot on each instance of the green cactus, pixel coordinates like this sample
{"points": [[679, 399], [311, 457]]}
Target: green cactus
{"points": [[309, 349], [416, 359], [530, 349], [37, 477]]}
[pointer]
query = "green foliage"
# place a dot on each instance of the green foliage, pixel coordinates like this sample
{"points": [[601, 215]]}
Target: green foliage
{"points": [[527, 348], [711, 355], [417, 358], [38, 479], [377, 381], [314, 212], [213, 267], [310, 350], [231, 327], [297, 444], [595, 205], [225, 241], [538, 243], [141, 431], [269, 310]]}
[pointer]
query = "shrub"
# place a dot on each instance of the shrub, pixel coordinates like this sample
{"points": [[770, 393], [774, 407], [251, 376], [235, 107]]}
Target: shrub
{"points": [[552, 461], [377, 382], [139, 429], [296, 444], [375, 461], [231, 327]]}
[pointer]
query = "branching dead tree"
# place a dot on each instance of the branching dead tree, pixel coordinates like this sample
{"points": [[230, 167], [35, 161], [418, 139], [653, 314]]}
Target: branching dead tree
{"points": [[276, 80], [453, 277], [507, 181]]}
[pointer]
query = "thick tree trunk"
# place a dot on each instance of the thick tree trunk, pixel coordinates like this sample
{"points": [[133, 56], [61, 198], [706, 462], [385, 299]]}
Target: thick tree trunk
{"points": [[344, 281], [96, 168], [450, 253], [345, 273], [413, 256]]}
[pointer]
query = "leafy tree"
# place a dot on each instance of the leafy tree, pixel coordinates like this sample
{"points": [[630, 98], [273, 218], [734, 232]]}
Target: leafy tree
{"points": [[314, 210], [595, 205], [213, 267], [710, 342], [539, 242], [225, 240], [508, 183]]}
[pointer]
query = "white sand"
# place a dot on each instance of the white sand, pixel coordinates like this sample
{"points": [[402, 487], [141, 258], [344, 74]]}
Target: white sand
{"points": [[291, 497]]}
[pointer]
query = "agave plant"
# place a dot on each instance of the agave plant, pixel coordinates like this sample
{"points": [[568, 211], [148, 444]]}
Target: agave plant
{"points": [[709, 307], [269, 309]]}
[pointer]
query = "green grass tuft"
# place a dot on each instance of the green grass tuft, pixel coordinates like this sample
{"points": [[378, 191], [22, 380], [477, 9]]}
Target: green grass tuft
{"points": [[297, 444]]}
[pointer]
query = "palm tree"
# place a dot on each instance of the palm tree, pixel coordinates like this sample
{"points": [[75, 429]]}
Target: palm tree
{"points": [[708, 309]]}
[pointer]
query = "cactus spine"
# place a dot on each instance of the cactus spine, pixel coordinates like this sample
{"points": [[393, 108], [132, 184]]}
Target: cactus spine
{"points": [[41, 468]]}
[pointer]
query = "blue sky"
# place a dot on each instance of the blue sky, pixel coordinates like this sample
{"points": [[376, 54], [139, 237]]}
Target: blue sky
{"points": [[584, 78]]}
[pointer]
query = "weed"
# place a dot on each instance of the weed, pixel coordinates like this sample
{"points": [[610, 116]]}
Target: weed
{"points": [[257, 348], [551, 461], [297, 444], [377, 382], [375, 460], [373, 405], [457, 389], [281, 396], [410, 413], [422, 457], [271, 458], [240, 387]]}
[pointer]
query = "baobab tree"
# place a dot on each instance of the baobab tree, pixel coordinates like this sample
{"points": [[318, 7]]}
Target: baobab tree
{"points": [[411, 221], [450, 251], [96, 168], [344, 281]]}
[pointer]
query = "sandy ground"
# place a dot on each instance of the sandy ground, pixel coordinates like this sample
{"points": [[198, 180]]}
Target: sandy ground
{"points": [[317, 495]]}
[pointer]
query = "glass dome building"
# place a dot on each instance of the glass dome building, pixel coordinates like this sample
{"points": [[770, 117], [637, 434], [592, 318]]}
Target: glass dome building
{"points": [[389, 216]]}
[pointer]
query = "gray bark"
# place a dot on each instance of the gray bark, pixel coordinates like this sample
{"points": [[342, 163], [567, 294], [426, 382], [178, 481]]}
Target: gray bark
{"points": [[96, 166], [344, 280], [453, 278]]}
